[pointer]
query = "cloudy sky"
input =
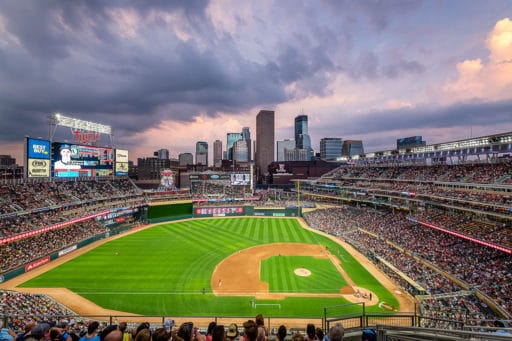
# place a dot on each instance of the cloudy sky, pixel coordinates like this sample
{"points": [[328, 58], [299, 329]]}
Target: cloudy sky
{"points": [[166, 74]]}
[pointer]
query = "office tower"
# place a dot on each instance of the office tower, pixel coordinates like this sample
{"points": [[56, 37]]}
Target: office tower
{"points": [[186, 159], [264, 141], [162, 154], [231, 139], [302, 139], [296, 154], [330, 148], [202, 153], [352, 147], [282, 146], [246, 136], [217, 153], [240, 151]]}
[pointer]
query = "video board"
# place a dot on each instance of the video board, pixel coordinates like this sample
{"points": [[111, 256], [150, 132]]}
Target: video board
{"points": [[72, 160]]}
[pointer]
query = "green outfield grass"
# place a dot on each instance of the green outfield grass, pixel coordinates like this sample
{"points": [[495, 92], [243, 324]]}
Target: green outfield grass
{"points": [[279, 273], [162, 270]]}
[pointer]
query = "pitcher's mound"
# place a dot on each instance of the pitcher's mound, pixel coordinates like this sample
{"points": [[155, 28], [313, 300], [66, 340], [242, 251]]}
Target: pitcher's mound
{"points": [[302, 272]]}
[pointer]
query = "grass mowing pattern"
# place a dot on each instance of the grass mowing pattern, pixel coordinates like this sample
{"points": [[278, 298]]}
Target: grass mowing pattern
{"points": [[278, 272], [162, 270]]}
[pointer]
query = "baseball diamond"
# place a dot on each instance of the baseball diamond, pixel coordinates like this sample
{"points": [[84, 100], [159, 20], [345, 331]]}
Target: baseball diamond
{"points": [[163, 269]]}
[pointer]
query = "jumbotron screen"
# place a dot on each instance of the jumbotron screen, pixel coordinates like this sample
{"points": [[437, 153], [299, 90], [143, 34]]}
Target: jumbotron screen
{"points": [[72, 160]]}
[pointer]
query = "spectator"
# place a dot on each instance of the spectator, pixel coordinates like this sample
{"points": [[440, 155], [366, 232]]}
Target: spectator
{"points": [[232, 332], [336, 332], [92, 332]]}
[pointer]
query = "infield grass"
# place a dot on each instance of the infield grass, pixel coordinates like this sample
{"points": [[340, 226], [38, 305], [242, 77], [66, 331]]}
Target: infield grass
{"points": [[279, 273], [162, 270]]}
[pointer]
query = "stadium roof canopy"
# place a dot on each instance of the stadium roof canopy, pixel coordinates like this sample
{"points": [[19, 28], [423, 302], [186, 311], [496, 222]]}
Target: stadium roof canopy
{"points": [[485, 145]]}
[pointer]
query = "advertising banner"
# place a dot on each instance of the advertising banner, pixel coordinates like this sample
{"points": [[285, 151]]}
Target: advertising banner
{"points": [[121, 155], [37, 263], [38, 149], [38, 168]]}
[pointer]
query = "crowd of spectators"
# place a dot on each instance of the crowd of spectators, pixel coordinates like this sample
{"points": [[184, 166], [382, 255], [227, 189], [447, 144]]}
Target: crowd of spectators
{"points": [[219, 189], [482, 173], [489, 270], [47, 321], [29, 196], [59, 202], [23, 251], [23, 307]]}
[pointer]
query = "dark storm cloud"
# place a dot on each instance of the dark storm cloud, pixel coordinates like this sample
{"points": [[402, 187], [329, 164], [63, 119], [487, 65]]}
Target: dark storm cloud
{"points": [[132, 85], [466, 114]]}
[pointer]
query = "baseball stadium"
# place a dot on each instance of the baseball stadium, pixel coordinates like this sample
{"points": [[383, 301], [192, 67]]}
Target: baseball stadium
{"points": [[402, 242]]}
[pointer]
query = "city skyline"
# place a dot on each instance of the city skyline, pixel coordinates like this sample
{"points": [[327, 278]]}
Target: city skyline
{"points": [[166, 75]]}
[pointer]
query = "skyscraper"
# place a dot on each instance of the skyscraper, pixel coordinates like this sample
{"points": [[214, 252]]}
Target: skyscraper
{"points": [[162, 154], [264, 141], [202, 153], [330, 148], [302, 139], [185, 159], [217, 153], [352, 147], [231, 139], [246, 135], [282, 146], [240, 151]]}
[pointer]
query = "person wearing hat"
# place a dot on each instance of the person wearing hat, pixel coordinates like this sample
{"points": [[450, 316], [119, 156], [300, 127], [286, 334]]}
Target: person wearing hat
{"points": [[65, 159], [232, 332]]}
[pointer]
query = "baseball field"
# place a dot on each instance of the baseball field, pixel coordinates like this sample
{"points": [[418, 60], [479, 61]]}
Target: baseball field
{"points": [[222, 267]]}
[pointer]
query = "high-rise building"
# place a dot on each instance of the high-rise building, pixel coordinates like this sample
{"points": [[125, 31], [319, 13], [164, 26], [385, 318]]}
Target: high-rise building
{"points": [[162, 154], [302, 138], [352, 147], [202, 153], [186, 159], [231, 139], [217, 153], [246, 136], [282, 146], [330, 148], [149, 168], [264, 154], [296, 154], [240, 151]]}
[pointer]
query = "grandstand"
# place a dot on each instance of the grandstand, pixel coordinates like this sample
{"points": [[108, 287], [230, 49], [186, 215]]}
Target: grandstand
{"points": [[442, 232]]}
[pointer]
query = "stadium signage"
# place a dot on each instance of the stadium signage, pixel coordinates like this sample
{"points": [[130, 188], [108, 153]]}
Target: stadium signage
{"points": [[37, 263], [38, 168], [121, 155], [38, 149], [67, 250]]}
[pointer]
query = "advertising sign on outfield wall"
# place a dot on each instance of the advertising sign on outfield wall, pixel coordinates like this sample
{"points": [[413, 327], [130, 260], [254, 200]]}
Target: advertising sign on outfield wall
{"points": [[37, 263]]}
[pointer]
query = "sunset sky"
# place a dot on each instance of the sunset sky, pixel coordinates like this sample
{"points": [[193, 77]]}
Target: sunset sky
{"points": [[165, 74]]}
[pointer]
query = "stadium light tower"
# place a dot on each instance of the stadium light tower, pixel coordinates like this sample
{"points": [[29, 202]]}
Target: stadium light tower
{"points": [[85, 132]]}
